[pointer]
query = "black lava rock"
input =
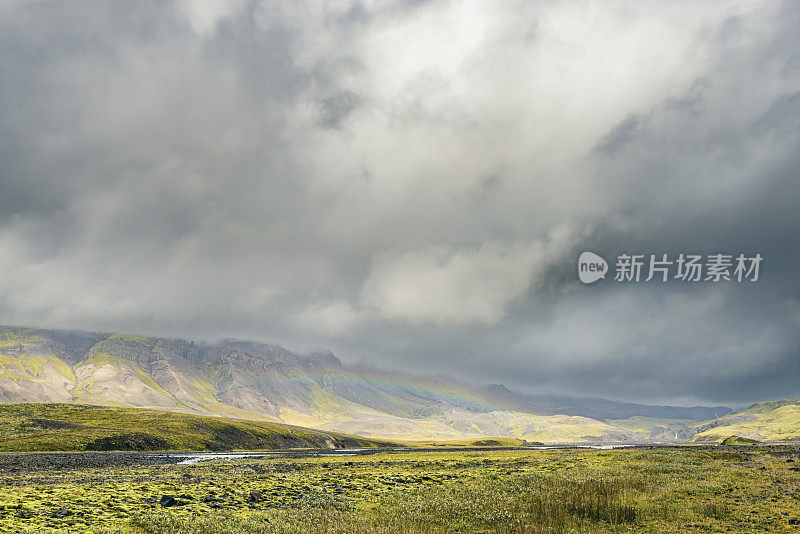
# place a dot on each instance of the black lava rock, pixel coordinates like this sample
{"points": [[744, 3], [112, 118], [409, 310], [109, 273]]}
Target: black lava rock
{"points": [[168, 500]]}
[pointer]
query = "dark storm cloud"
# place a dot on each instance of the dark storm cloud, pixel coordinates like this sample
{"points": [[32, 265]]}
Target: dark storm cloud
{"points": [[411, 183]]}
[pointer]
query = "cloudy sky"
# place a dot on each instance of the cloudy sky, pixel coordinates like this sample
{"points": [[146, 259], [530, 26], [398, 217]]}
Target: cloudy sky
{"points": [[410, 183]]}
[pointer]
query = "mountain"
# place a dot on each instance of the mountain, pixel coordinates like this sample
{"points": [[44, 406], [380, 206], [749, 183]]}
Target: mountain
{"points": [[764, 421], [265, 382]]}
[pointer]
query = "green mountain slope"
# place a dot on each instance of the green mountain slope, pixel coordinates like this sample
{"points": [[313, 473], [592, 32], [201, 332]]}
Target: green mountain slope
{"points": [[269, 383], [764, 421], [68, 427]]}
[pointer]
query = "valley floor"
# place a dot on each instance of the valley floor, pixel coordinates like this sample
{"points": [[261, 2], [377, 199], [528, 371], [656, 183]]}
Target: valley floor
{"points": [[693, 489]]}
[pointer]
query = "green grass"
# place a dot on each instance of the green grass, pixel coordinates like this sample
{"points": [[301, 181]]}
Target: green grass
{"points": [[553, 502], [69, 427], [553, 491]]}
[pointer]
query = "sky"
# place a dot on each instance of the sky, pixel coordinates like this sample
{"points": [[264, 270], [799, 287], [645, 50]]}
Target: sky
{"points": [[410, 183]]}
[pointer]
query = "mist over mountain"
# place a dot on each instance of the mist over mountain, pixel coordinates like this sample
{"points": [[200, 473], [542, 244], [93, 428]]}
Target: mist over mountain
{"points": [[261, 381], [598, 408]]}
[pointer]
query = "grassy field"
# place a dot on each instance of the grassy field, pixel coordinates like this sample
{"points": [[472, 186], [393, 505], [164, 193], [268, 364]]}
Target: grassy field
{"points": [[74, 427], [743, 489]]}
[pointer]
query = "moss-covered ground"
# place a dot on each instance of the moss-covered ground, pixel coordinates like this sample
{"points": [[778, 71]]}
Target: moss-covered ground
{"points": [[746, 489]]}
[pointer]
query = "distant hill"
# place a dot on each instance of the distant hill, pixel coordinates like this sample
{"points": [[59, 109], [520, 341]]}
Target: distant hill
{"points": [[764, 421], [736, 440], [68, 427], [269, 383], [598, 408]]}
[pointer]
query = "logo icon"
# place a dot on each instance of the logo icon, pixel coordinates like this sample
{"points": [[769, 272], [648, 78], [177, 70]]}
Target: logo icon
{"points": [[591, 267]]}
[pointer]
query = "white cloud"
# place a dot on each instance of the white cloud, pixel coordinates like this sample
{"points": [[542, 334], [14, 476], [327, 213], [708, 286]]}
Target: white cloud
{"points": [[444, 284], [380, 176], [327, 318], [203, 15]]}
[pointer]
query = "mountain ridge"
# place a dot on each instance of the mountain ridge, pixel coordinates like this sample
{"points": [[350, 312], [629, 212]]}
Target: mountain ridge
{"points": [[261, 381]]}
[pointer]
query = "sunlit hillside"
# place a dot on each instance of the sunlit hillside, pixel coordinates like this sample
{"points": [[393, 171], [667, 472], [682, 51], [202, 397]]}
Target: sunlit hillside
{"points": [[269, 383], [764, 421]]}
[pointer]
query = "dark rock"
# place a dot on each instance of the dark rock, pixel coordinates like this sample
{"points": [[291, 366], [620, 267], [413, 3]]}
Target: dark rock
{"points": [[255, 496], [168, 501]]}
